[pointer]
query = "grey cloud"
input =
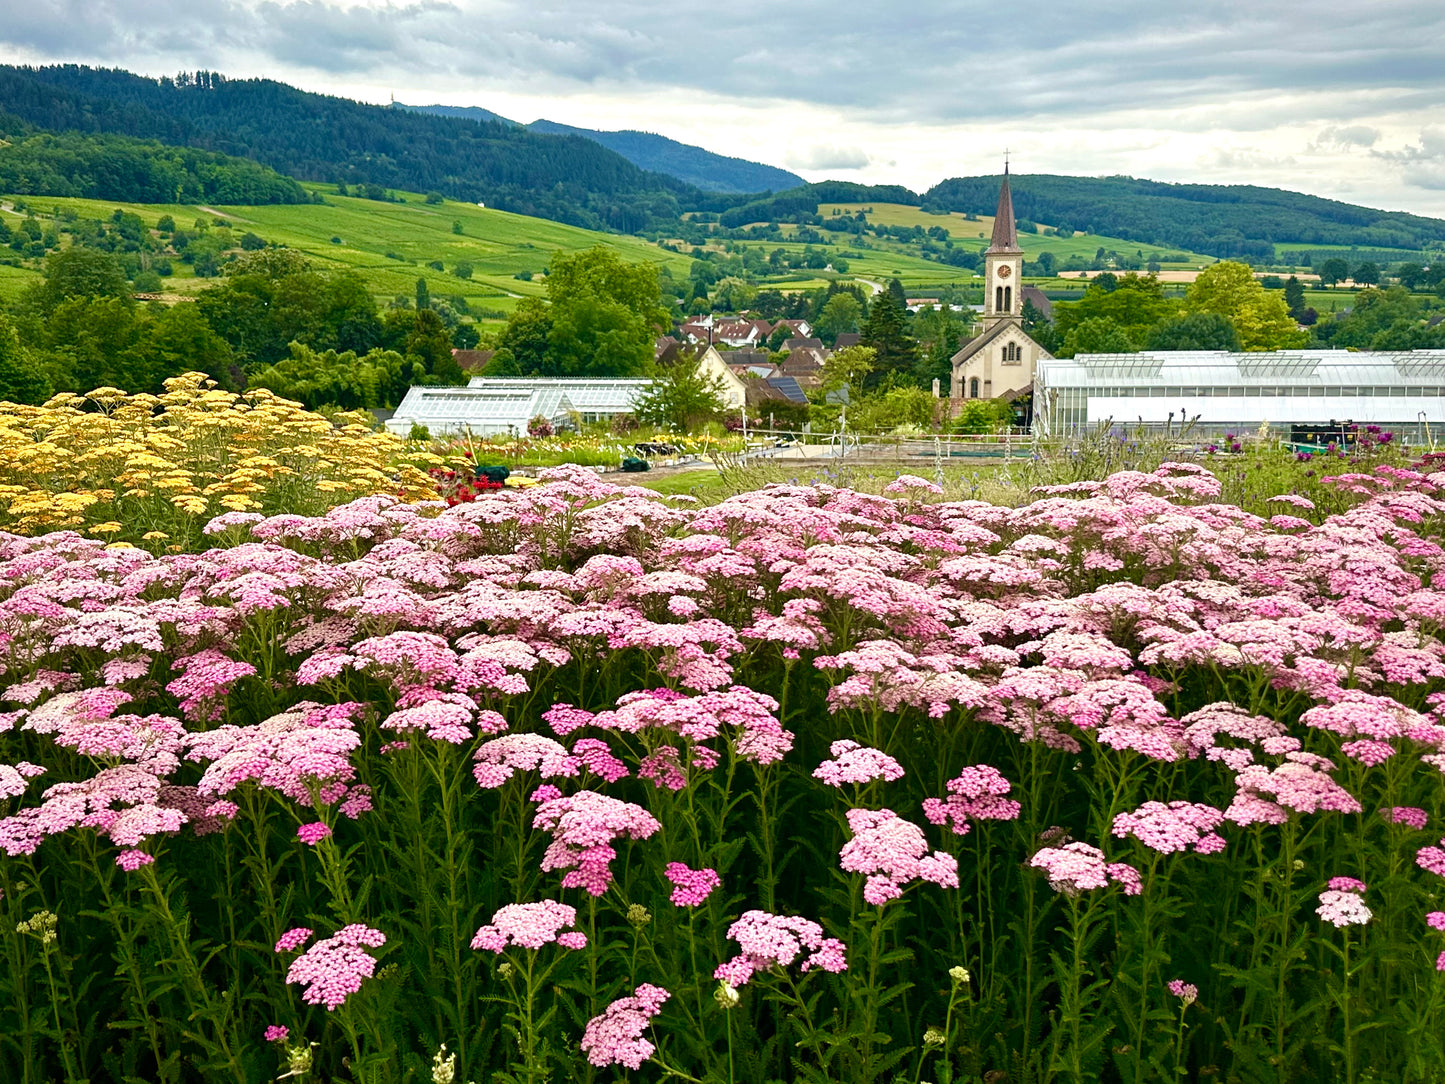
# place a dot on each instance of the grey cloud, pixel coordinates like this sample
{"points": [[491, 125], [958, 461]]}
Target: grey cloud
{"points": [[1355, 135], [934, 61], [825, 156]]}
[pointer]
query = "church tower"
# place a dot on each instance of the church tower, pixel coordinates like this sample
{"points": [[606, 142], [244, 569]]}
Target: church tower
{"points": [[1003, 263]]}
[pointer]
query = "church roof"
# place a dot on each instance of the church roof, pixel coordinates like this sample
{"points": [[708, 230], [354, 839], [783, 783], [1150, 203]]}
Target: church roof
{"points": [[978, 342], [1005, 236]]}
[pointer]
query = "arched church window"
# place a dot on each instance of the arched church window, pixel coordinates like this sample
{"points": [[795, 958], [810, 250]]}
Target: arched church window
{"points": [[973, 388], [1008, 299], [998, 299]]}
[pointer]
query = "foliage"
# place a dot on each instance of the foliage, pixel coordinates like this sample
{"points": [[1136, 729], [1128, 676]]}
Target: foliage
{"points": [[682, 397], [20, 381], [1132, 304], [849, 368], [1195, 331], [1227, 221], [324, 138], [905, 408], [1097, 335], [115, 167], [152, 471], [983, 416], [379, 378], [886, 333], [1259, 316], [1389, 319]]}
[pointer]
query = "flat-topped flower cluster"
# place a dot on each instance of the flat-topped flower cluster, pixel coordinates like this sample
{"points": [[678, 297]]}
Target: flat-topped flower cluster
{"points": [[620, 705]]}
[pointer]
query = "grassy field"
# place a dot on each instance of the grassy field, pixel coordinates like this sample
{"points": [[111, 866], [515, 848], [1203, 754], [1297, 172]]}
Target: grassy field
{"points": [[389, 244], [980, 230]]}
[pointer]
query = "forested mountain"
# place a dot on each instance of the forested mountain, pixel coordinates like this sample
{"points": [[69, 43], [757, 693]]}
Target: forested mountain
{"points": [[135, 170], [317, 137], [708, 171], [804, 200], [693, 165], [1221, 220]]}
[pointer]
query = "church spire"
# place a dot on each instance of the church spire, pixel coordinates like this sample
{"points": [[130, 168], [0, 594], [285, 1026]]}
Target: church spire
{"points": [[1005, 236]]}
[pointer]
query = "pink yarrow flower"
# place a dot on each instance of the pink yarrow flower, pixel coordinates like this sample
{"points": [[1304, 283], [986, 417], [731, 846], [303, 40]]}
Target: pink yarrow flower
{"points": [[583, 826], [1341, 903], [277, 1033], [1079, 867], [313, 833], [690, 886], [293, 939], [891, 852], [615, 1036], [1178, 826], [132, 860], [769, 941], [1186, 992], [976, 795], [856, 764], [332, 970], [530, 925]]}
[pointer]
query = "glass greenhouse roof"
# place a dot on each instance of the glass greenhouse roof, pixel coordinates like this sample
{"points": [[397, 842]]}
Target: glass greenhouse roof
{"points": [[483, 407], [1189, 368], [588, 396]]}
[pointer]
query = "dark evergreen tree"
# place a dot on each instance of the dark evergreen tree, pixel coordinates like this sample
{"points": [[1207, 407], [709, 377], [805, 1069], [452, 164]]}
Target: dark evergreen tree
{"points": [[886, 331]]}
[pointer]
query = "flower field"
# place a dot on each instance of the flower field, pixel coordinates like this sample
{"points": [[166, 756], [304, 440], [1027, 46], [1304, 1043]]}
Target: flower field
{"points": [[578, 782], [153, 470]]}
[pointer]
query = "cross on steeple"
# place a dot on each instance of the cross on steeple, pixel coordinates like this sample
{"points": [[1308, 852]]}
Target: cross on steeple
{"points": [[1005, 161]]}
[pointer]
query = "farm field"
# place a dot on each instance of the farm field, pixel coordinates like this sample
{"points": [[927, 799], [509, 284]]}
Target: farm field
{"points": [[961, 229]]}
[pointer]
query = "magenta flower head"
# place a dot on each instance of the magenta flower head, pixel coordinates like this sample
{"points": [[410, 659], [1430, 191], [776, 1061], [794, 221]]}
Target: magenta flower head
{"points": [[1079, 867], [334, 969], [976, 795], [690, 886], [530, 925], [293, 939], [1186, 992], [313, 833], [854, 763], [892, 851], [277, 1033], [132, 860], [769, 941], [615, 1036], [1341, 904], [583, 826]]}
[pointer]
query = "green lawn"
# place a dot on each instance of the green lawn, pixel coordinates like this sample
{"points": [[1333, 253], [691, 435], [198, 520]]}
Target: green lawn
{"points": [[13, 280]]}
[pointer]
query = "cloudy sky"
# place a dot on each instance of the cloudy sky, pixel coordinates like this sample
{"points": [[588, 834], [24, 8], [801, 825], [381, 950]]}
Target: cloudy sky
{"points": [[1343, 98]]}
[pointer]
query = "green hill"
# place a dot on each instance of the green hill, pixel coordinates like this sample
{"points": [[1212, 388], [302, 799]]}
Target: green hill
{"points": [[1227, 221], [320, 138]]}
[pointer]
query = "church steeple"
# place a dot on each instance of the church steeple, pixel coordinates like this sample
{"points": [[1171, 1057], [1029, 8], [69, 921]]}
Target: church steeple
{"points": [[1005, 236]]}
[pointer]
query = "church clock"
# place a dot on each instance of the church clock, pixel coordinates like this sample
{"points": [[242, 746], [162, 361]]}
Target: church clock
{"points": [[1005, 271]]}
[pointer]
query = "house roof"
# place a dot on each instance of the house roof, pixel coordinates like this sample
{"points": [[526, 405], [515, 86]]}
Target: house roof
{"points": [[1039, 299], [788, 386], [480, 410], [805, 359], [1005, 233], [472, 361], [847, 339], [803, 344], [586, 395], [978, 342]]}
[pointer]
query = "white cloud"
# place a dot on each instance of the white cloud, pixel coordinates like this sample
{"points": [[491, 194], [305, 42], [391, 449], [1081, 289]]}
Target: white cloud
{"points": [[825, 156]]}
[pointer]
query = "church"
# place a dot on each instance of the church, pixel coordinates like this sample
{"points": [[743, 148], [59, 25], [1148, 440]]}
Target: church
{"points": [[1000, 360]]}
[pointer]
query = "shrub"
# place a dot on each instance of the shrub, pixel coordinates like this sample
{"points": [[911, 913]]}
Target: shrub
{"points": [[539, 427]]}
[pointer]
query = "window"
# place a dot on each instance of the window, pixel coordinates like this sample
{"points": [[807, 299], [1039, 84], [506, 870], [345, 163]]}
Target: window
{"points": [[1008, 299], [973, 388], [998, 299]]}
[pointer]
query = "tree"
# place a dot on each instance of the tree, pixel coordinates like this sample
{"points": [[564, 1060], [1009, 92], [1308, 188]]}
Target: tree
{"points": [[1333, 270], [79, 271], [1260, 317], [682, 397], [839, 316], [1040, 328], [733, 294], [781, 334], [1377, 316], [463, 270], [1196, 331], [1412, 275], [180, 340], [21, 380], [605, 314], [1367, 274], [423, 295], [847, 369], [1133, 303], [1294, 297], [1097, 335], [887, 333]]}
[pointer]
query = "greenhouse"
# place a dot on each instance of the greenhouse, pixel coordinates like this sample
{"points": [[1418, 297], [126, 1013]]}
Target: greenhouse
{"points": [[1226, 391], [483, 412], [594, 400]]}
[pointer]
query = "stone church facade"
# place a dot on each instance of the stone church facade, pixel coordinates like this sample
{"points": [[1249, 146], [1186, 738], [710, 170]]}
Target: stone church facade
{"points": [[1000, 360]]}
